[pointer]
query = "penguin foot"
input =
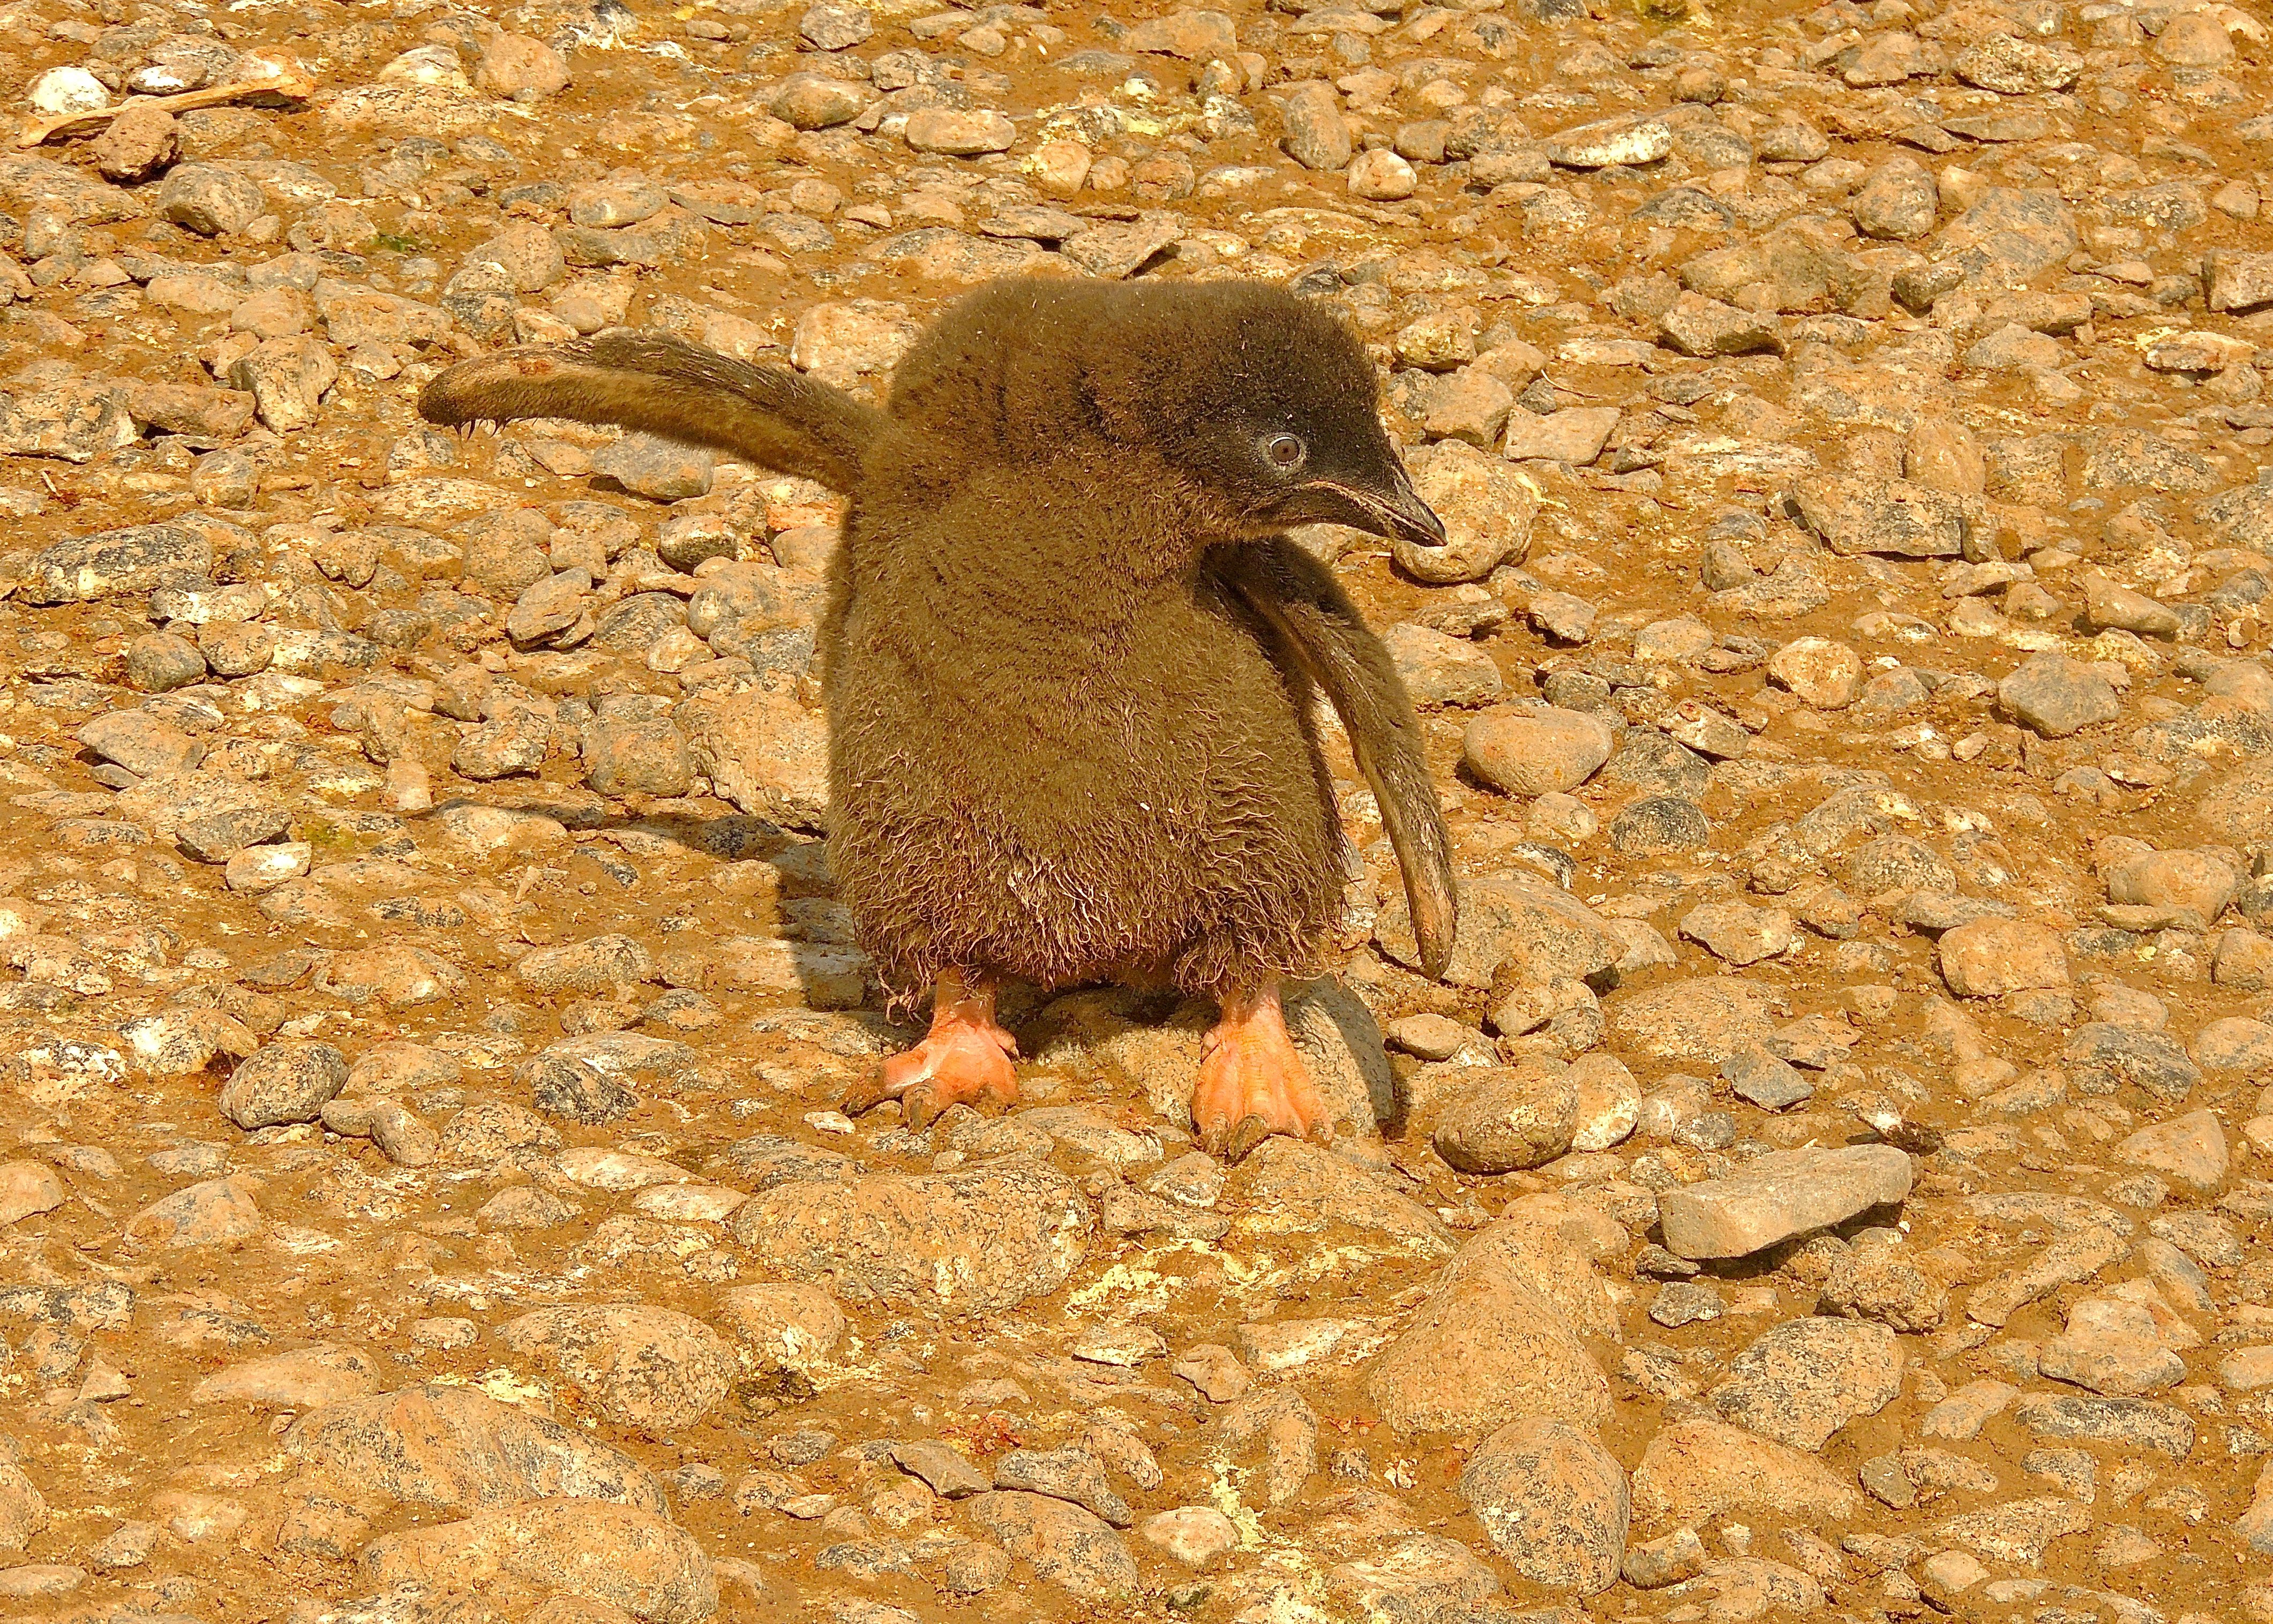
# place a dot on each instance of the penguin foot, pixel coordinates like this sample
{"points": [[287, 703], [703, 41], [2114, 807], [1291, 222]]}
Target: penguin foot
{"points": [[964, 1059], [1253, 1083]]}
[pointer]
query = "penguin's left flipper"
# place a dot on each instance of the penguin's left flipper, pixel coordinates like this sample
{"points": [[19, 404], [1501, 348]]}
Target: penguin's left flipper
{"points": [[1299, 597]]}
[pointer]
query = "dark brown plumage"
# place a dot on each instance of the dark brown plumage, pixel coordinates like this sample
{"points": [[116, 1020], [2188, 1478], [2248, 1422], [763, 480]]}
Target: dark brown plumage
{"points": [[1069, 655]]}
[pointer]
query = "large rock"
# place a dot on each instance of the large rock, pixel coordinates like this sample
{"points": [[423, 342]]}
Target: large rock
{"points": [[972, 1242], [462, 1450], [303, 1379], [638, 1365], [1554, 1502], [1065, 1544], [1693, 1471], [615, 1555], [2056, 696], [1534, 1243], [283, 1082], [1855, 513], [1508, 1118], [1804, 1380], [1532, 751], [763, 751], [1707, 1019], [23, 1508], [1292, 1187], [1487, 508], [1483, 1350], [133, 560], [210, 1213], [1515, 926], [1984, 958]]}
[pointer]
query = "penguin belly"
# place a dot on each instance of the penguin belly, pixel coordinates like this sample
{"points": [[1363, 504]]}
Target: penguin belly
{"points": [[1149, 805]]}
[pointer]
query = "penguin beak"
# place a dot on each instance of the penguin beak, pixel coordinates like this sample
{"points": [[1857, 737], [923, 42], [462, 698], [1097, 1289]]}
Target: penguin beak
{"points": [[1387, 506]]}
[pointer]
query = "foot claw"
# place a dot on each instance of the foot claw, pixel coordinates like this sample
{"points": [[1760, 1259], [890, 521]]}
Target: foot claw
{"points": [[1251, 1132]]}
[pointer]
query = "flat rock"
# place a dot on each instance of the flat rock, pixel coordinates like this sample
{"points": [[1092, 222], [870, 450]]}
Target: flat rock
{"points": [[638, 1365], [972, 1242], [2128, 1423], [1802, 1381], [1706, 1020], [1064, 1545], [1693, 1471], [303, 1379], [457, 1448], [2190, 1151], [615, 1555], [1776, 1196]]}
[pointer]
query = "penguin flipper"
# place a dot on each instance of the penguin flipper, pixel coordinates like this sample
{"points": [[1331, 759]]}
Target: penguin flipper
{"points": [[1338, 651], [662, 385]]}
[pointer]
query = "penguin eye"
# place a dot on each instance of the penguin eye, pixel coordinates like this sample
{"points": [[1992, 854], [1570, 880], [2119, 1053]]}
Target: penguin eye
{"points": [[1285, 451]]}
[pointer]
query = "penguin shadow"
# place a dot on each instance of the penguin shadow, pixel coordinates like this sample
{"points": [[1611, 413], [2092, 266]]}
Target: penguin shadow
{"points": [[804, 913]]}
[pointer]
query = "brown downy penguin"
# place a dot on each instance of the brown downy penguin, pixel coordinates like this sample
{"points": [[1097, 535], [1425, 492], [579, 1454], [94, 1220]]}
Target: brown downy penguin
{"points": [[1069, 655]]}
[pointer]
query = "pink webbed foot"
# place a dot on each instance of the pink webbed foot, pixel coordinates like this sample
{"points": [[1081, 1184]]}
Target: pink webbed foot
{"points": [[964, 1058], [1253, 1083]]}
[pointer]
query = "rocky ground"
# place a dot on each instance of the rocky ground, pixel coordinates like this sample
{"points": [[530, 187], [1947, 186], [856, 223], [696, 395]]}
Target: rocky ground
{"points": [[1830, 1184]]}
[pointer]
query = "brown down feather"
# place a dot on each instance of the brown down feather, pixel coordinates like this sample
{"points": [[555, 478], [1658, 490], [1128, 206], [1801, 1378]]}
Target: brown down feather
{"points": [[1069, 693]]}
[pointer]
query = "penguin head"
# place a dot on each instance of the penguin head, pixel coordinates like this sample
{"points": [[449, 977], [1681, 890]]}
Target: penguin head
{"points": [[1265, 403]]}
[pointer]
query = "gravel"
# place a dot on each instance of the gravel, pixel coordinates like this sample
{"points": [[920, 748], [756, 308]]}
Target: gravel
{"points": [[1827, 1182]]}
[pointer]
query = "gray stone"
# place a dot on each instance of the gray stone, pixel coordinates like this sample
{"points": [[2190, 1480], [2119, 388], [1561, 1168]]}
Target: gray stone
{"points": [[1803, 1381], [1317, 136], [161, 662], [2056, 696], [1660, 826], [659, 469], [1554, 1502], [2127, 1423], [209, 200], [136, 559]]}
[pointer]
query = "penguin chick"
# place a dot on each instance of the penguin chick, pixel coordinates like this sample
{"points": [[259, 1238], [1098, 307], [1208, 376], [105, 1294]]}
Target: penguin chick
{"points": [[1069, 655]]}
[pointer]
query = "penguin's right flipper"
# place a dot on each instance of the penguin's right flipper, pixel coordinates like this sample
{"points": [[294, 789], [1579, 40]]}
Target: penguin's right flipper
{"points": [[1338, 651], [768, 416]]}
